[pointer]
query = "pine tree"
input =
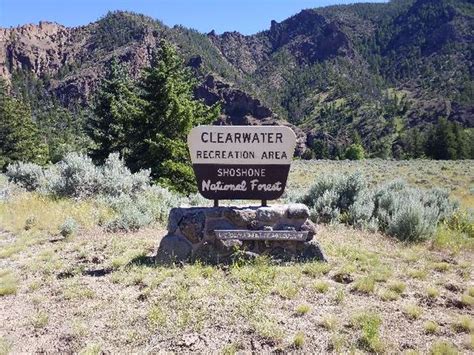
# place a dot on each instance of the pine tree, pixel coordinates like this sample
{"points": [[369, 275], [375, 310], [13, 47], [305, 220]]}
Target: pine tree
{"points": [[169, 113], [116, 108], [19, 135]]}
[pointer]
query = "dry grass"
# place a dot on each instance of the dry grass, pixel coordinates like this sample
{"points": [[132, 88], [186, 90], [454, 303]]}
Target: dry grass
{"points": [[97, 292]]}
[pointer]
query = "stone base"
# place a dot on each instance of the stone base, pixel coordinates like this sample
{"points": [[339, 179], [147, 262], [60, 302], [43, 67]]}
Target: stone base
{"points": [[191, 234]]}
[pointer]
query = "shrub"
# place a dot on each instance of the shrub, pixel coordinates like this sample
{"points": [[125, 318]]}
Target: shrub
{"points": [[332, 196], [396, 208], [74, 176], [140, 210], [409, 213], [69, 227], [355, 152], [27, 175], [117, 179]]}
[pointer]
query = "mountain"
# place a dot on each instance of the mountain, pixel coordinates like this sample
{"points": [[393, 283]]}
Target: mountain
{"points": [[380, 70]]}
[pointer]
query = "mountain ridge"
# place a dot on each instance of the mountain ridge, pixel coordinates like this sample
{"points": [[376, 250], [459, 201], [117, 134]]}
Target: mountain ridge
{"points": [[378, 69]]}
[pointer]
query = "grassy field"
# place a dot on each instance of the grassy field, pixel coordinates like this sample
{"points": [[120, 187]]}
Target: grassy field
{"points": [[94, 291]]}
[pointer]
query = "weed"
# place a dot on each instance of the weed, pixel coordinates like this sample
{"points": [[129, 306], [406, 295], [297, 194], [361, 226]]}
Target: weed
{"points": [[329, 322], [302, 309], [397, 287], [431, 327], [463, 324], [298, 340], [432, 292], [8, 283], [467, 300], [91, 349], [369, 323], [287, 289], [337, 342], [316, 269], [389, 295], [470, 291], [443, 348], [321, 286], [441, 266], [40, 320], [156, 317], [267, 328], [340, 295], [412, 311], [5, 346], [418, 274], [364, 285]]}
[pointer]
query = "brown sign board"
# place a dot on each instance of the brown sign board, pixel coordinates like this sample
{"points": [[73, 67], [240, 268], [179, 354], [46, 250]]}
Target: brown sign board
{"points": [[261, 235], [241, 162]]}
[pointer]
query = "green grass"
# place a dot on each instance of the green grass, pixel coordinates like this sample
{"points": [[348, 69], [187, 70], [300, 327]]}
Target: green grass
{"points": [[369, 323], [431, 327], [389, 295], [8, 283], [329, 322], [412, 311], [364, 285], [443, 347], [321, 286], [40, 320], [467, 300], [397, 287], [298, 340], [302, 309], [463, 324], [432, 292]]}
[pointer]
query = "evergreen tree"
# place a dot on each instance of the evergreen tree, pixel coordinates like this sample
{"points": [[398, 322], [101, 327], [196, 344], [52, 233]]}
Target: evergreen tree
{"points": [[169, 113], [19, 136], [116, 108], [63, 130], [447, 141]]}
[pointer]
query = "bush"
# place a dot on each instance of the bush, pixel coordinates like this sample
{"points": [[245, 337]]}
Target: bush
{"points": [[332, 196], [396, 208], [355, 152], [410, 213], [134, 212], [69, 227], [74, 176], [27, 175], [118, 180]]}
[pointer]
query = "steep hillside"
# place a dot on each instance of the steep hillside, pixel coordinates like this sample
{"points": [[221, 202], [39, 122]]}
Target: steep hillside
{"points": [[376, 69]]}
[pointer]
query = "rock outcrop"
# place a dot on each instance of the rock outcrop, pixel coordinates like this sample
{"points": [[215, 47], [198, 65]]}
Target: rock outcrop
{"points": [[192, 234]]}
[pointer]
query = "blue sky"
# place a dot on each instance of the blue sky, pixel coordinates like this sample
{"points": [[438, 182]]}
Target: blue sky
{"points": [[245, 16]]}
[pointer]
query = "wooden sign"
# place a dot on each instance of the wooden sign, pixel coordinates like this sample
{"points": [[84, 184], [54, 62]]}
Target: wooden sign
{"points": [[241, 162], [261, 235]]}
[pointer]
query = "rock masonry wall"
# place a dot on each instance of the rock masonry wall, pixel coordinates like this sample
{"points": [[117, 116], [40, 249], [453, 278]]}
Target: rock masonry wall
{"points": [[191, 234]]}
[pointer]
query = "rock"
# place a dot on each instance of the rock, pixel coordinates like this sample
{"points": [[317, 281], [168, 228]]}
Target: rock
{"points": [[241, 217], [174, 248], [343, 278], [311, 228], [192, 226], [191, 234], [297, 211], [269, 214], [312, 251], [175, 216]]}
